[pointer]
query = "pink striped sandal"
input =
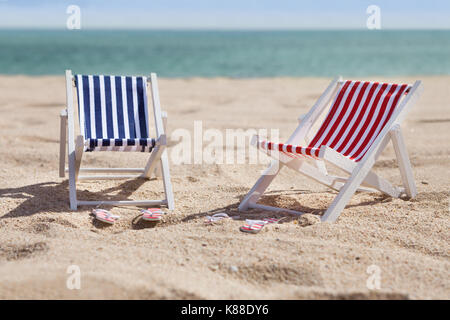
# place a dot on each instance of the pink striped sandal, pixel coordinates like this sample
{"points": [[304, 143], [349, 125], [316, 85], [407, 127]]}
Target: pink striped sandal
{"points": [[105, 216], [152, 214], [253, 226]]}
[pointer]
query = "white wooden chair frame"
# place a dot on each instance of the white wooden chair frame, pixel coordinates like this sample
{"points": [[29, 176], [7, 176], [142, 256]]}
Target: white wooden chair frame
{"points": [[158, 163], [361, 177]]}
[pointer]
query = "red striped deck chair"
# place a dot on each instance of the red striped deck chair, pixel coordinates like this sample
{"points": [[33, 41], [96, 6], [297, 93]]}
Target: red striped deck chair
{"points": [[113, 116], [361, 119]]}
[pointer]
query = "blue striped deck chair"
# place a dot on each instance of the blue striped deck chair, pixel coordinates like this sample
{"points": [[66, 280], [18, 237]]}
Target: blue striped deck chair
{"points": [[113, 116]]}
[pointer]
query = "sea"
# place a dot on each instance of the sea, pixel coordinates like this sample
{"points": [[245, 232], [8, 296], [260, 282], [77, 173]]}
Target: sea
{"points": [[235, 54]]}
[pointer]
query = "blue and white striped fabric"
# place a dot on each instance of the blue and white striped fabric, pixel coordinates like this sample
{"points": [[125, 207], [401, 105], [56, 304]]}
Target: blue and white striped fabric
{"points": [[113, 113]]}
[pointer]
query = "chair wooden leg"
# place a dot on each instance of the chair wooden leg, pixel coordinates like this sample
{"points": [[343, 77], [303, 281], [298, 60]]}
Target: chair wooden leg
{"points": [[72, 182], [356, 178], [62, 144], [158, 168], [166, 180], [155, 156], [403, 161], [71, 141], [79, 146]]}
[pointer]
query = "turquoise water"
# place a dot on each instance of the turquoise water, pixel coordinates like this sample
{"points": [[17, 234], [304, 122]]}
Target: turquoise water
{"points": [[226, 53]]}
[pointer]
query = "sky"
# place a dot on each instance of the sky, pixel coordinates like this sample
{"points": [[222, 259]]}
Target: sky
{"points": [[225, 14]]}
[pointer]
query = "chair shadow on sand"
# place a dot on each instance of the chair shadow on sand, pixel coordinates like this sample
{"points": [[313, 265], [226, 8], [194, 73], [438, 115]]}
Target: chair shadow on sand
{"points": [[54, 197], [271, 197]]}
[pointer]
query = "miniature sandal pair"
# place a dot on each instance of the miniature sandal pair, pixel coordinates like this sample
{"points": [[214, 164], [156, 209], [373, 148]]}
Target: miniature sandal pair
{"points": [[251, 226], [151, 214]]}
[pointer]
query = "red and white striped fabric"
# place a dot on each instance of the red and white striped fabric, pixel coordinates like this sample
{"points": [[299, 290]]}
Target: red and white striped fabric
{"points": [[358, 113]]}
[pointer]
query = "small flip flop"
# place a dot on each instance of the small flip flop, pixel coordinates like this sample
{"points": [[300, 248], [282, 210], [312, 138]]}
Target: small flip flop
{"points": [[272, 220], [216, 217], [105, 216], [152, 214], [253, 226]]}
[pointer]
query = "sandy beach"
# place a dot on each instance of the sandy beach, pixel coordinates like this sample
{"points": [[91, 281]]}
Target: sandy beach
{"points": [[181, 257]]}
